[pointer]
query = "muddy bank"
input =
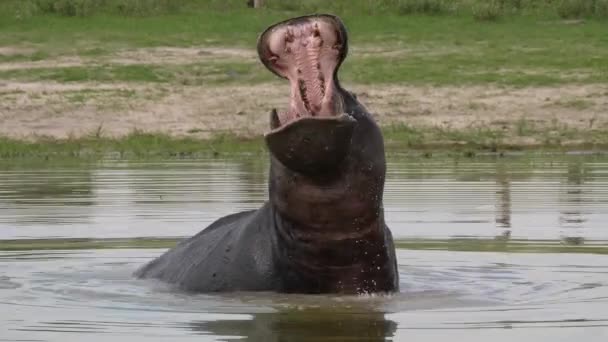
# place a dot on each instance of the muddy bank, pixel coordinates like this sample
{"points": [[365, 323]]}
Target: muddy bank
{"points": [[30, 110], [33, 109]]}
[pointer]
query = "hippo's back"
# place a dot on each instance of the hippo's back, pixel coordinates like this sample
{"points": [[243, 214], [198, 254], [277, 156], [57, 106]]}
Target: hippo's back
{"points": [[233, 253]]}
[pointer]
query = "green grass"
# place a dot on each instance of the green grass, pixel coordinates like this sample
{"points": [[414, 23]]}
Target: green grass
{"points": [[186, 74], [519, 51], [35, 56], [135, 145], [118, 73], [456, 244], [121, 73], [398, 139], [402, 42], [68, 34], [142, 8], [229, 22], [448, 63], [557, 137]]}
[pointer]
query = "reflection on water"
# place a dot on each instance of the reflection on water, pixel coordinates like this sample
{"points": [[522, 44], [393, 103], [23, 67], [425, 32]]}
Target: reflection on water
{"points": [[572, 217], [512, 197], [49, 200], [312, 324], [503, 200], [89, 293]]}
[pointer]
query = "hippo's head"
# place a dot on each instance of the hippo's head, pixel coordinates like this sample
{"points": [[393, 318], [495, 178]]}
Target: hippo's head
{"points": [[313, 135]]}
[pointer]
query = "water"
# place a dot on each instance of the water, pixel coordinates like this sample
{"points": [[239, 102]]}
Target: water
{"points": [[72, 234]]}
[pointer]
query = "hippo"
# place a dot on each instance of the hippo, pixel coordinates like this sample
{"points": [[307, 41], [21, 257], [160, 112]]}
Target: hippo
{"points": [[322, 228]]}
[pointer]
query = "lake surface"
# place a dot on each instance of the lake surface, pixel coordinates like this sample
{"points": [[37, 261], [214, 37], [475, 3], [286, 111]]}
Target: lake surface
{"points": [[489, 249]]}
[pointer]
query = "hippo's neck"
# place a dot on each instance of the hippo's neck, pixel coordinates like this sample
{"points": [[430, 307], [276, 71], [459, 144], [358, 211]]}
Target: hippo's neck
{"points": [[331, 237]]}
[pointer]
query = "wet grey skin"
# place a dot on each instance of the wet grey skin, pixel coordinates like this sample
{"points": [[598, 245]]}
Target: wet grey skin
{"points": [[322, 229]]}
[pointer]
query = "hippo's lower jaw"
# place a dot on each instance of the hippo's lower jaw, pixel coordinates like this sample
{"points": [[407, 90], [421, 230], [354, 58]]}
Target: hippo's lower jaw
{"points": [[312, 145], [308, 52]]}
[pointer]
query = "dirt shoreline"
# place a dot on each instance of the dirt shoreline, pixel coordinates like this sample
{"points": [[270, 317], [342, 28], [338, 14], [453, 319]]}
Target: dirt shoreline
{"points": [[36, 109], [30, 110]]}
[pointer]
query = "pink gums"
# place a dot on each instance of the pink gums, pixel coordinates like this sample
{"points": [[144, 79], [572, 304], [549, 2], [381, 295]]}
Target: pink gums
{"points": [[307, 54]]}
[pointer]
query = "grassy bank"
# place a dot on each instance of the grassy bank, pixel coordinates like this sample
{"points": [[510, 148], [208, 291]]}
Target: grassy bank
{"points": [[398, 139], [480, 9], [134, 145], [521, 50], [64, 62]]}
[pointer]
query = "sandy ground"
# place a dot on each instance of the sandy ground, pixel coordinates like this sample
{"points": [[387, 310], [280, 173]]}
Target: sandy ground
{"points": [[33, 109]]}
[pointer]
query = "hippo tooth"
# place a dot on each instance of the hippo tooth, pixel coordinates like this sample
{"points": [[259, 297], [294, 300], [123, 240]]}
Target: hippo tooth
{"points": [[274, 119]]}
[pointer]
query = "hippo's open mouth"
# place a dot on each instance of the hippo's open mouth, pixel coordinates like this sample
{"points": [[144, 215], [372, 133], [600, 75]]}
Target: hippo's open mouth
{"points": [[308, 52], [313, 135]]}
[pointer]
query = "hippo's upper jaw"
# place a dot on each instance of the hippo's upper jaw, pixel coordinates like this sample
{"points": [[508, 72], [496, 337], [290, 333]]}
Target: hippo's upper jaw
{"points": [[314, 133]]}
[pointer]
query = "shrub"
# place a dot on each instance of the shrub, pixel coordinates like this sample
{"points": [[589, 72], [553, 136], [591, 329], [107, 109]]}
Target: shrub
{"points": [[569, 9], [601, 8], [431, 7], [147, 7], [489, 10], [334, 6], [83, 8], [69, 8], [516, 4], [284, 5], [512, 6]]}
